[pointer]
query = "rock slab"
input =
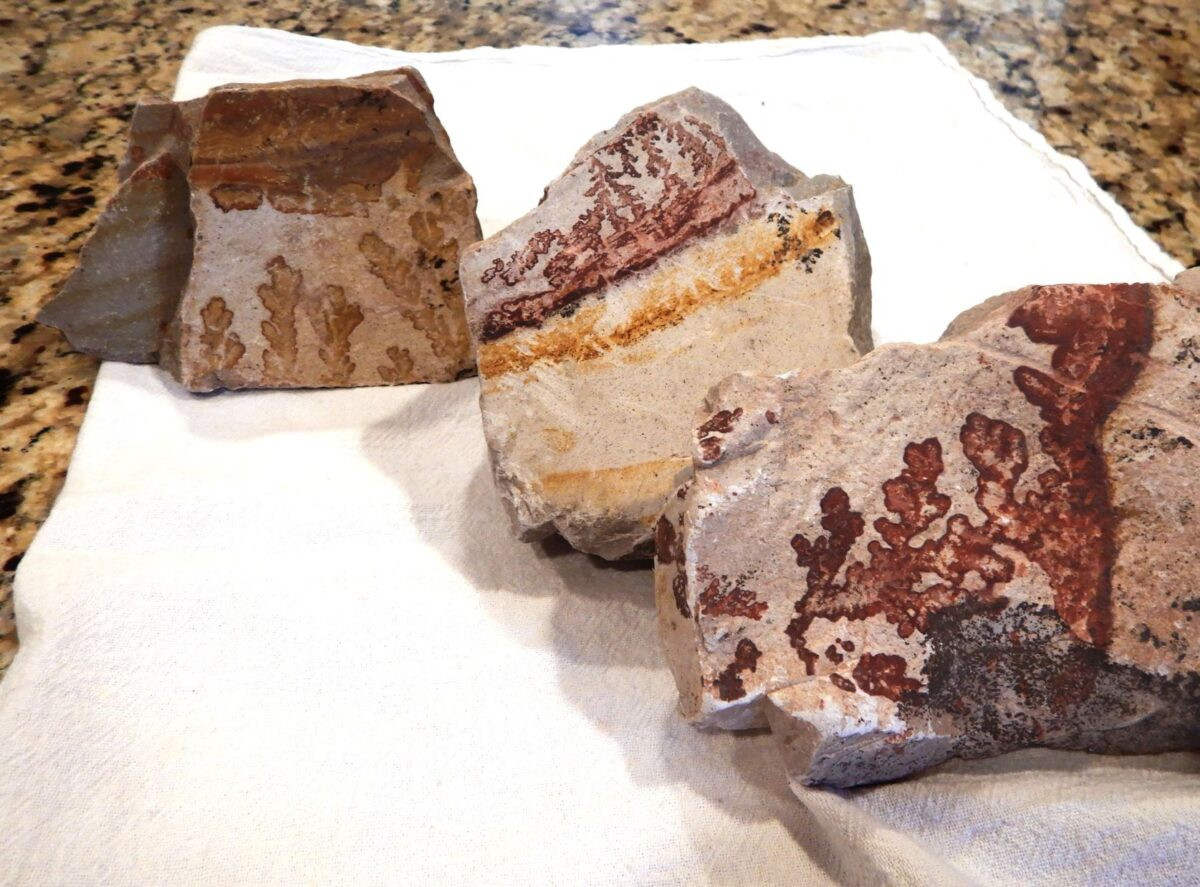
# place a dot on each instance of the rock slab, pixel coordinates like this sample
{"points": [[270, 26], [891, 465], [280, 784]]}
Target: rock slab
{"points": [[296, 234], [674, 250], [888, 580]]}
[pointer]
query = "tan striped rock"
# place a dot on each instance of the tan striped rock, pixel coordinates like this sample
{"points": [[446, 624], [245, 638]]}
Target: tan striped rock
{"points": [[674, 250], [890, 579], [296, 234]]}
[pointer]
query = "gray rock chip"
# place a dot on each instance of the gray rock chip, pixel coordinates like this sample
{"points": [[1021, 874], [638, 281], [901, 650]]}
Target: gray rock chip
{"points": [[132, 270]]}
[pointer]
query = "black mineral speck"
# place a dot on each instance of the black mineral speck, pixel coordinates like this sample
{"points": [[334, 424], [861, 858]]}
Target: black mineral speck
{"points": [[10, 500]]}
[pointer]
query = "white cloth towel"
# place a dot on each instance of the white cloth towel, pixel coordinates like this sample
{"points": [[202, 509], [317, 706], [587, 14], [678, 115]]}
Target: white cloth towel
{"points": [[287, 637]]}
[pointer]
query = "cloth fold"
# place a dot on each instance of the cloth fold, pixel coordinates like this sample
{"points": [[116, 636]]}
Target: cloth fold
{"points": [[287, 637]]}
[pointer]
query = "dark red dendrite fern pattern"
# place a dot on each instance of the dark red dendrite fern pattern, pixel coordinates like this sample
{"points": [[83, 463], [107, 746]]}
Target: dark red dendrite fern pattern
{"points": [[629, 225], [1065, 524]]}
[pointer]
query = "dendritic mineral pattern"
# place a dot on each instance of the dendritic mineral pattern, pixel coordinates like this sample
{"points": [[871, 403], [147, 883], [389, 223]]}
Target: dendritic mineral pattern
{"points": [[674, 250], [297, 234], [889, 580]]}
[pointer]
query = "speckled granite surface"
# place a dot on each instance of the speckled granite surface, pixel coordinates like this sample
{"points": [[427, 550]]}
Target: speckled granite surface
{"points": [[1116, 84]]}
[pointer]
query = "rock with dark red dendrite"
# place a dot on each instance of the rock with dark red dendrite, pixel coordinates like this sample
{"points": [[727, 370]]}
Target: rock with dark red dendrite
{"points": [[674, 250], [296, 234], [889, 579]]}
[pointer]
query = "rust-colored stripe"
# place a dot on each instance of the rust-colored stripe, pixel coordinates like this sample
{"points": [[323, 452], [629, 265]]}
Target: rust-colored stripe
{"points": [[603, 488], [757, 252]]}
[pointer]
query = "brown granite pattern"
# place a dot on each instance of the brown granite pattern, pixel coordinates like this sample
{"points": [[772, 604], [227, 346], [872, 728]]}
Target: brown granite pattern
{"points": [[1116, 84]]}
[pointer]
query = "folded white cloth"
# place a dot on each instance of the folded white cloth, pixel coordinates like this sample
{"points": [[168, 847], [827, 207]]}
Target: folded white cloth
{"points": [[287, 637]]}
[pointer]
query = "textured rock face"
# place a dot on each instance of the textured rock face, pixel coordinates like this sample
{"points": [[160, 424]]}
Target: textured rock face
{"points": [[298, 234], [674, 250], [890, 579], [132, 270]]}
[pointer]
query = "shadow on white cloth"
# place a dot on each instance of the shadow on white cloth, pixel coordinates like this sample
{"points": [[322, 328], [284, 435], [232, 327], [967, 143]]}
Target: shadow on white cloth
{"points": [[603, 628]]}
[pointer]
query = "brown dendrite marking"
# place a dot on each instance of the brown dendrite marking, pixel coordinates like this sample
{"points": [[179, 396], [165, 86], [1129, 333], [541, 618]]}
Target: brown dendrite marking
{"points": [[334, 319], [707, 434], [722, 597], [430, 298], [668, 549], [728, 683], [629, 224], [222, 348], [1066, 525], [401, 367], [280, 297], [236, 196], [843, 683], [882, 674], [1101, 336], [887, 584]]}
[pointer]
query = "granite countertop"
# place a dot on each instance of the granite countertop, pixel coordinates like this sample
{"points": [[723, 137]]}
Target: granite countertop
{"points": [[1115, 84]]}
